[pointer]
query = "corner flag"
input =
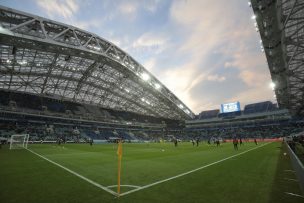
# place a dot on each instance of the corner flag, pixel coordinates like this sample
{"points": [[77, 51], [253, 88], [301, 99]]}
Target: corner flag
{"points": [[119, 149], [119, 153]]}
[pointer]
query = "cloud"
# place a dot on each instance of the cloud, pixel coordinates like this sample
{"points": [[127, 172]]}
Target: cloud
{"points": [[131, 7], [150, 64], [64, 8], [180, 80], [87, 24], [67, 11], [128, 8], [151, 41], [224, 34], [151, 5], [216, 78]]}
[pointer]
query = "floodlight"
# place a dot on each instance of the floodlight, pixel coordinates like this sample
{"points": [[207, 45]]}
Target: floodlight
{"points": [[157, 86], [145, 76], [272, 85], [22, 62], [97, 48]]}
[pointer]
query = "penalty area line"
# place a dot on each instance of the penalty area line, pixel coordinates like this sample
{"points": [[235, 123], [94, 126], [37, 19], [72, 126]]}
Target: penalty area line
{"points": [[113, 186], [76, 174], [188, 172]]}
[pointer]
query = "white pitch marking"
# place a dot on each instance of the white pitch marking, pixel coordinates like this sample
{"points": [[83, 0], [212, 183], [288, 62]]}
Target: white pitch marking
{"points": [[76, 174], [289, 193], [291, 179], [188, 172], [289, 171], [135, 186]]}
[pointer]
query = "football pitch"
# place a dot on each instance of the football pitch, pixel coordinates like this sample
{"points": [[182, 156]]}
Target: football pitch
{"points": [[151, 172]]}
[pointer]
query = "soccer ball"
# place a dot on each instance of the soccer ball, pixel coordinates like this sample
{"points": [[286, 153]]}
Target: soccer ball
{"points": [[284, 153], [163, 150]]}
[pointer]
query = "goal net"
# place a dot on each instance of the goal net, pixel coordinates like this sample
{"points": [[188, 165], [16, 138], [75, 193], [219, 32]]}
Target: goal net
{"points": [[19, 141]]}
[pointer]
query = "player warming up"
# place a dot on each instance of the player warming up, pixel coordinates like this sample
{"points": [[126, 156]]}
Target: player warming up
{"points": [[217, 142], [175, 142], [235, 143], [241, 141]]}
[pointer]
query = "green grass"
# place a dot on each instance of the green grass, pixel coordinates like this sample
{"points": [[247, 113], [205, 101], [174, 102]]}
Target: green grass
{"points": [[255, 176]]}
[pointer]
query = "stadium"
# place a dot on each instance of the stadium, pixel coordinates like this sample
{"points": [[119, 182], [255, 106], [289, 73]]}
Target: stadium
{"points": [[82, 121]]}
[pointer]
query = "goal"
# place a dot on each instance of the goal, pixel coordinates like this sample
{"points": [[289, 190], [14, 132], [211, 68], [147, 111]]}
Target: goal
{"points": [[19, 141]]}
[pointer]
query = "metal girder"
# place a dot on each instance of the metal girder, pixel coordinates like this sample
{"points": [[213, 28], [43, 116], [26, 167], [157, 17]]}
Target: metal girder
{"points": [[66, 61], [281, 26]]}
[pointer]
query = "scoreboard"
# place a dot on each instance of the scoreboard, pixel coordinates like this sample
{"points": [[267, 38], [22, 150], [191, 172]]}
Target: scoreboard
{"points": [[230, 107]]}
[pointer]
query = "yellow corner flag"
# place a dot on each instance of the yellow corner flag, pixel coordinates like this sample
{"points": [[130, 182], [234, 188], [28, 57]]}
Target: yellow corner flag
{"points": [[119, 153]]}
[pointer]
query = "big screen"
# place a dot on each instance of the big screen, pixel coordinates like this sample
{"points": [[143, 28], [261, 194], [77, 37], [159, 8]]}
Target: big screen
{"points": [[230, 107]]}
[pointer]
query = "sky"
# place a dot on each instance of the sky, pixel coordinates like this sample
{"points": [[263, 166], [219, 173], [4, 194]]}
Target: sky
{"points": [[207, 52]]}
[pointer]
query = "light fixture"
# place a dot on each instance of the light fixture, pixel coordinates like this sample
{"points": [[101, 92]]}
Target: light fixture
{"points": [[157, 86], [272, 85], [145, 76]]}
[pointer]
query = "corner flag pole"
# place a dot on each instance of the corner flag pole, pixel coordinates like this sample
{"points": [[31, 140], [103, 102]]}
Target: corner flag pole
{"points": [[119, 153]]}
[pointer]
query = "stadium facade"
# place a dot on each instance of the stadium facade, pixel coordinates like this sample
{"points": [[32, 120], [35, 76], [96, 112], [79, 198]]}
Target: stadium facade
{"points": [[57, 80], [280, 24]]}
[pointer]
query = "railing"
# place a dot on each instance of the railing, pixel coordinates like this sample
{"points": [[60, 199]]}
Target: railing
{"points": [[297, 166]]}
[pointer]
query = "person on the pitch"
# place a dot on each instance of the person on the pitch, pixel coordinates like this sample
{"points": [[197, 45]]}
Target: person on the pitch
{"points": [[255, 141], [175, 142], [217, 142], [197, 141], [241, 141], [235, 143], [193, 142], [59, 141], [91, 142]]}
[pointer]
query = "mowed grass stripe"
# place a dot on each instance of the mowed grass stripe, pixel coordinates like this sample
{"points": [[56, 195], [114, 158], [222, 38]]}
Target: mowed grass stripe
{"points": [[192, 171], [156, 147], [142, 163], [76, 174], [245, 178]]}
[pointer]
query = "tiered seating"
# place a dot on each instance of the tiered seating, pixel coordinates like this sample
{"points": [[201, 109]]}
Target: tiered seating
{"points": [[209, 114], [47, 105], [230, 114], [259, 107]]}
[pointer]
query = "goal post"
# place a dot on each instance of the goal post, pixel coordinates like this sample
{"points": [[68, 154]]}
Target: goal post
{"points": [[19, 141]]}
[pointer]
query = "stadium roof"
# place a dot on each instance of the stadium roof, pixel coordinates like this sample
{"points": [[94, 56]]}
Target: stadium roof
{"points": [[281, 26], [45, 57]]}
